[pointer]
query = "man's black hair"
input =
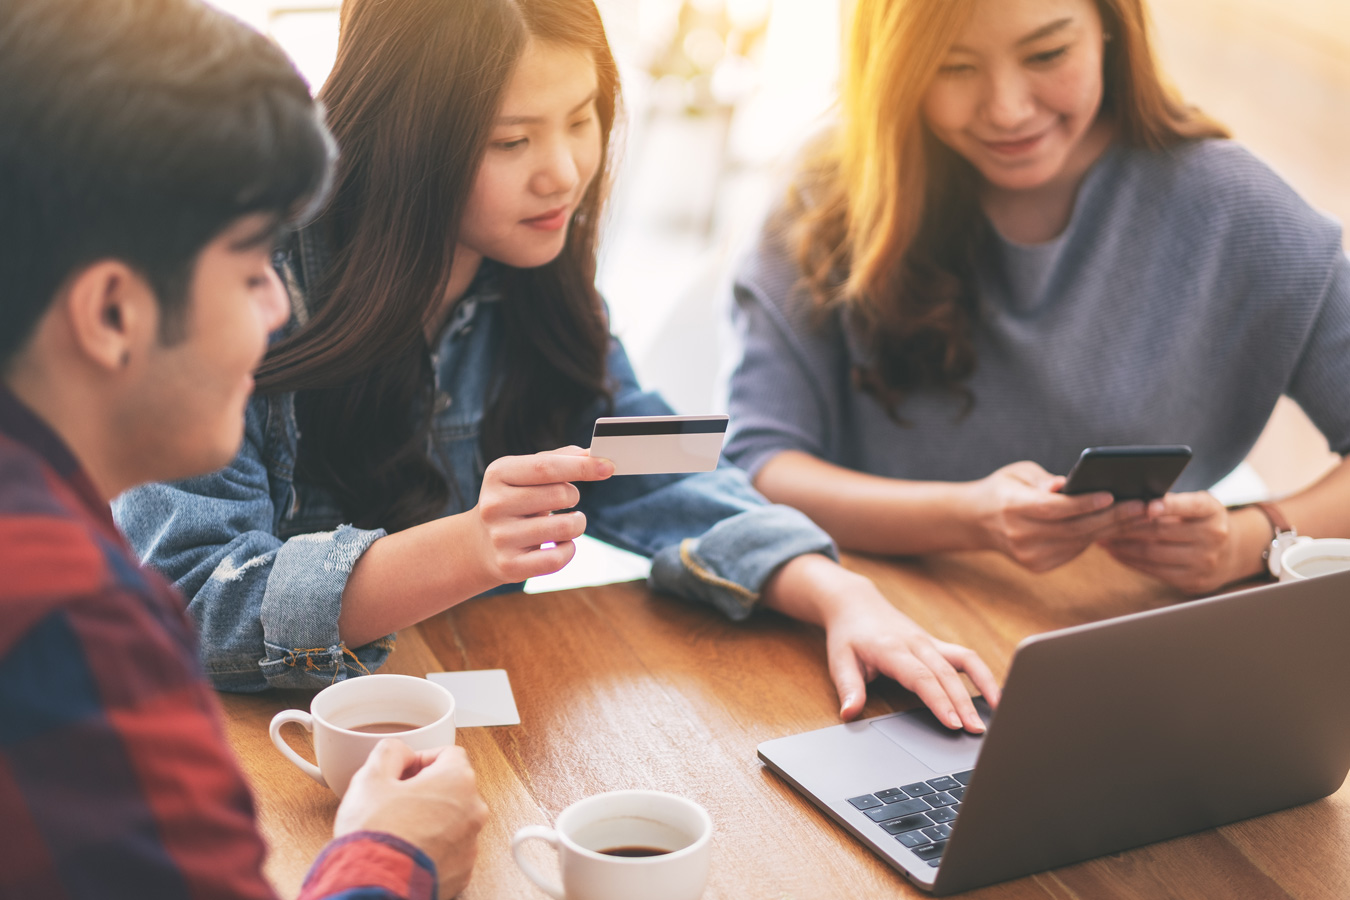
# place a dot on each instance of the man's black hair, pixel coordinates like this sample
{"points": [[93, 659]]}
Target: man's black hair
{"points": [[139, 130]]}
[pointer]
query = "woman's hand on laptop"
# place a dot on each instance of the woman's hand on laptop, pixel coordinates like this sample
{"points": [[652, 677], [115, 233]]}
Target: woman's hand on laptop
{"points": [[865, 636]]}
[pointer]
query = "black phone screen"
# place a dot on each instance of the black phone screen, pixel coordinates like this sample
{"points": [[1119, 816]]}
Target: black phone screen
{"points": [[1128, 473]]}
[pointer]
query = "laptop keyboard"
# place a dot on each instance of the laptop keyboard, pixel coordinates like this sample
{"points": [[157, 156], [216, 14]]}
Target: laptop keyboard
{"points": [[919, 815]]}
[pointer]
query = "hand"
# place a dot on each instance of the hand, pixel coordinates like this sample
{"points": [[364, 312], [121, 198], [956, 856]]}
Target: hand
{"points": [[1020, 511], [428, 799], [865, 636], [519, 536], [1186, 541]]}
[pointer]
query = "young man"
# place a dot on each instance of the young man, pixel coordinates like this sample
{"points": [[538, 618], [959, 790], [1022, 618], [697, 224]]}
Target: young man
{"points": [[150, 151]]}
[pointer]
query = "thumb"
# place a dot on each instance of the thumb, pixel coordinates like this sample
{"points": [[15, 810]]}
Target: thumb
{"points": [[848, 679], [434, 761], [389, 759], [1026, 472], [1194, 505]]}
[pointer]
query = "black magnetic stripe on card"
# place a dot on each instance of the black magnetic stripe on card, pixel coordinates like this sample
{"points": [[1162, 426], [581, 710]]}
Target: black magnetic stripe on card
{"points": [[638, 429]]}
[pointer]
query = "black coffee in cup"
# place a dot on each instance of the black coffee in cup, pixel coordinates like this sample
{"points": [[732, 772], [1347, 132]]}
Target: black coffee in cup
{"points": [[635, 851], [384, 727]]}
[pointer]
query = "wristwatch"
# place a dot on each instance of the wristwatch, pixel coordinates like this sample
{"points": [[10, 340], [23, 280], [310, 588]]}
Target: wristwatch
{"points": [[1284, 536]]}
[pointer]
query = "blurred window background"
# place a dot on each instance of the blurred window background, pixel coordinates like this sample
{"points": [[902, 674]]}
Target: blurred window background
{"points": [[716, 92], [720, 94]]}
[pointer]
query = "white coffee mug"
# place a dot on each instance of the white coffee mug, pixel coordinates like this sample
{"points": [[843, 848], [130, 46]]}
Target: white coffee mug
{"points": [[1319, 556], [675, 831], [424, 708]]}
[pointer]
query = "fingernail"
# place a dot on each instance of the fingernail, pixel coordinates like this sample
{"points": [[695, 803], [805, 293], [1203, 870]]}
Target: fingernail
{"points": [[848, 701], [954, 720], [1104, 500]]}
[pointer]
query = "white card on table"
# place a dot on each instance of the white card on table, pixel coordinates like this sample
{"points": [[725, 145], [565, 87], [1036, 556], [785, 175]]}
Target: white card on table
{"points": [[482, 697], [659, 445]]}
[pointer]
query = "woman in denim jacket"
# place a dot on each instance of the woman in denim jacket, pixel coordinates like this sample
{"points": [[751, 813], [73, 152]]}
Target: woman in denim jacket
{"points": [[446, 330]]}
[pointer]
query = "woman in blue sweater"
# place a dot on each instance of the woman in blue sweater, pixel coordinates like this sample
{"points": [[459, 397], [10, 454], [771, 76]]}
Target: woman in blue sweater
{"points": [[399, 453], [1017, 244]]}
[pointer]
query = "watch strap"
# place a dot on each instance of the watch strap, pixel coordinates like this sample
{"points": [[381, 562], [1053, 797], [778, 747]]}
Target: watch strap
{"points": [[1283, 536], [1278, 521]]}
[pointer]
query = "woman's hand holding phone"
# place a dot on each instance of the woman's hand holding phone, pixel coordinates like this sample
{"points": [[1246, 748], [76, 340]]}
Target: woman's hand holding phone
{"points": [[522, 532], [1018, 510], [1188, 541]]}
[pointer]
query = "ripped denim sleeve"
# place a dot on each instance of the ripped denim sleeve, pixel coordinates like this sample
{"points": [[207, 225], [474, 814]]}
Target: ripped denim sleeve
{"points": [[300, 609], [727, 566], [712, 537], [266, 608]]}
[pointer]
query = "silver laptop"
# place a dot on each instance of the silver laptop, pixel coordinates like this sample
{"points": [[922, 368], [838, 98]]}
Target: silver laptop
{"points": [[1109, 736]]}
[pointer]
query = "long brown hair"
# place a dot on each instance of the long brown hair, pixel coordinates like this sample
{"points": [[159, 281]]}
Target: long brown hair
{"points": [[411, 101], [885, 220]]}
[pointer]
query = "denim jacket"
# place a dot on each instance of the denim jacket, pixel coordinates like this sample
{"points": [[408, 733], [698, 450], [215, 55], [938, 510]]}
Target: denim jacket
{"points": [[264, 558]]}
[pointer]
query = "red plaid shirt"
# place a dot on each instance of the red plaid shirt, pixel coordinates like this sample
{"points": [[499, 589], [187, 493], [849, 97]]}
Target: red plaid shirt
{"points": [[115, 777]]}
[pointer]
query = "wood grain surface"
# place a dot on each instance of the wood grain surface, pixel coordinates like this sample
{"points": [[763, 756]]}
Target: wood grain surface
{"points": [[619, 688]]}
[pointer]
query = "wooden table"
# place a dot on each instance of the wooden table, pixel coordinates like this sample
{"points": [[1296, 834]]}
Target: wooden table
{"points": [[618, 688]]}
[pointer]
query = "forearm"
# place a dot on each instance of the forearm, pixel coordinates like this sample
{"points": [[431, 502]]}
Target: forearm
{"points": [[870, 513], [1321, 510], [409, 576], [1250, 535], [813, 588]]}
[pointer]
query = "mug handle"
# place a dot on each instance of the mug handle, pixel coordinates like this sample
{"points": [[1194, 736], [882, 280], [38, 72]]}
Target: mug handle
{"points": [[305, 721], [536, 832]]}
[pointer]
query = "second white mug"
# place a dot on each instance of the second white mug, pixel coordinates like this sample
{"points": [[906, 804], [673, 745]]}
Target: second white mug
{"points": [[625, 845], [1314, 556]]}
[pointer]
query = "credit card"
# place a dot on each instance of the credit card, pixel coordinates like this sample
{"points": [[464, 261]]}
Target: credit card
{"points": [[659, 445]]}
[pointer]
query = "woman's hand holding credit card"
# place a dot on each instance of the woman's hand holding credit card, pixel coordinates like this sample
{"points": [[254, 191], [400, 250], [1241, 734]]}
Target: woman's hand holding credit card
{"points": [[525, 513], [521, 530]]}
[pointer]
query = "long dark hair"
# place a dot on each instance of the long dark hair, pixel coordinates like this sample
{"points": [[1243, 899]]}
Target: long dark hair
{"points": [[886, 220], [411, 101]]}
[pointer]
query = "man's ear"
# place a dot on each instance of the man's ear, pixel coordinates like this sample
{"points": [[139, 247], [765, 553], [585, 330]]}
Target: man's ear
{"points": [[112, 313]]}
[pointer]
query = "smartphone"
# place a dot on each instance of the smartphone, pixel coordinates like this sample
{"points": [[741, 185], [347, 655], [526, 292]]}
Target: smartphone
{"points": [[1128, 473]]}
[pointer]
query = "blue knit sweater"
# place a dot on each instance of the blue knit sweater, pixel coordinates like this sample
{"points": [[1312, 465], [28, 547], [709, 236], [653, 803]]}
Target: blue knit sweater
{"points": [[1190, 290]]}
